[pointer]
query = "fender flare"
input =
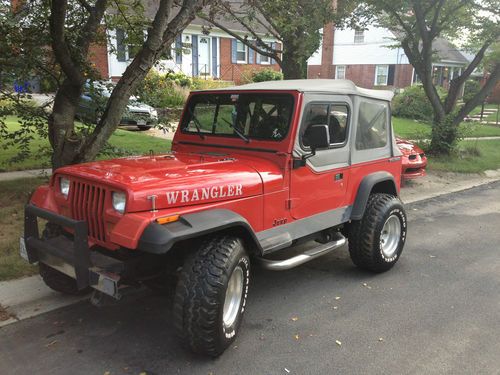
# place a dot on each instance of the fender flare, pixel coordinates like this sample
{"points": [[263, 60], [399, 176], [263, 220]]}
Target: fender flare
{"points": [[366, 187], [159, 239]]}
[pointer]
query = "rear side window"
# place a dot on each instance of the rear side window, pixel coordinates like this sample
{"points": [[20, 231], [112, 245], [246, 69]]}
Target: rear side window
{"points": [[333, 115], [372, 126]]}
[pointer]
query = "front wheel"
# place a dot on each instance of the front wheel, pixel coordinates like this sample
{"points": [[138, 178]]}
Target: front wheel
{"points": [[377, 240], [211, 295]]}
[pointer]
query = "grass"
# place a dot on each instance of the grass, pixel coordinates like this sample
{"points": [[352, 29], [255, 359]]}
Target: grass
{"points": [[411, 129], [122, 142], [13, 197], [471, 157]]}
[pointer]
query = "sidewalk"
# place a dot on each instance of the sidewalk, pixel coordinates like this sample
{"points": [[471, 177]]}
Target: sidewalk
{"points": [[9, 176]]}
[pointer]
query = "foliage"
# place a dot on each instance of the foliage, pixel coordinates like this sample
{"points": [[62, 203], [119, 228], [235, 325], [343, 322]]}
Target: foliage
{"points": [[164, 90], [413, 103], [294, 24], [266, 75], [52, 41], [471, 88], [418, 24], [205, 84]]}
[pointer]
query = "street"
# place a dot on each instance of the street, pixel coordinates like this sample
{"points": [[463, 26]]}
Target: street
{"points": [[436, 312]]}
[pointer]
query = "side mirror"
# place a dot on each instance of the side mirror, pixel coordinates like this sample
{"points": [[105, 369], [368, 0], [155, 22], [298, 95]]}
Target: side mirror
{"points": [[318, 137]]}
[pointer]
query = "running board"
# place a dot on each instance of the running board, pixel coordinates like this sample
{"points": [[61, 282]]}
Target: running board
{"points": [[286, 264]]}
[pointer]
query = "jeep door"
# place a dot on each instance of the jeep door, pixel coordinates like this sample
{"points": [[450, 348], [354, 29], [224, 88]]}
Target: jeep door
{"points": [[321, 184]]}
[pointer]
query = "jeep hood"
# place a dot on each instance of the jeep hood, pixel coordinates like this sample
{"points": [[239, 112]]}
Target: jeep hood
{"points": [[176, 179]]}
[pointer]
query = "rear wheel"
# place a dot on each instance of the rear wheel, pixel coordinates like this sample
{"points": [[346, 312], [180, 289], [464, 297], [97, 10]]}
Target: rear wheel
{"points": [[211, 295], [60, 282], [377, 240]]}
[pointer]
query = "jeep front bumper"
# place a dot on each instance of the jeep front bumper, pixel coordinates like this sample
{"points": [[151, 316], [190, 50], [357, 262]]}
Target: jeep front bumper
{"points": [[70, 256]]}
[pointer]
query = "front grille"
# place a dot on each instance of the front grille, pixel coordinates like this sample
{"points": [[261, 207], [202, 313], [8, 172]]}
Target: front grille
{"points": [[87, 204]]}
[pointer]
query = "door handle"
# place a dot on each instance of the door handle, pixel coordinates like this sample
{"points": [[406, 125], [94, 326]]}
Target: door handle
{"points": [[339, 176]]}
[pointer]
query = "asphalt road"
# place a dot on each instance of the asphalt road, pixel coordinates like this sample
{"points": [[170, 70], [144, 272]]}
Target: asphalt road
{"points": [[436, 312]]}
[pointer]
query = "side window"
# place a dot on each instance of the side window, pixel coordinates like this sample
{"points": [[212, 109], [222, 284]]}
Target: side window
{"points": [[333, 115], [372, 126]]}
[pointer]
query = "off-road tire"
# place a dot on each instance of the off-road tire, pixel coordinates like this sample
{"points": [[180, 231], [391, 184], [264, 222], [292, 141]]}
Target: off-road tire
{"points": [[201, 293], [60, 282], [365, 245]]}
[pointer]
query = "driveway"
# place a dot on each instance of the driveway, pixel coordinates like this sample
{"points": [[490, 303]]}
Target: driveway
{"points": [[435, 312]]}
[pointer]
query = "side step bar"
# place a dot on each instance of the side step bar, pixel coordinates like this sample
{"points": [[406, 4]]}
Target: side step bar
{"points": [[286, 264]]}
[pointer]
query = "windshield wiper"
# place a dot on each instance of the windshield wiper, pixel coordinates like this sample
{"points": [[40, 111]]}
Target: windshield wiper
{"points": [[196, 124], [236, 130]]}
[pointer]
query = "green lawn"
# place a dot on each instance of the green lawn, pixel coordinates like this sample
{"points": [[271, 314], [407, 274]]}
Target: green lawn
{"points": [[471, 157], [122, 142], [411, 129], [13, 197]]}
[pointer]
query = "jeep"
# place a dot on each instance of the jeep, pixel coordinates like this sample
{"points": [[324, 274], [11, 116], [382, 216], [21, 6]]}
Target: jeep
{"points": [[254, 171]]}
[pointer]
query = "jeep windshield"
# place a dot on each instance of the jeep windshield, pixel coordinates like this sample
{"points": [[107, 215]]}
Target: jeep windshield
{"points": [[247, 116]]}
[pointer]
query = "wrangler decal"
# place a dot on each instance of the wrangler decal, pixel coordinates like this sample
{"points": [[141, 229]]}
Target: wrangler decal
{"points": [[213, 192]]}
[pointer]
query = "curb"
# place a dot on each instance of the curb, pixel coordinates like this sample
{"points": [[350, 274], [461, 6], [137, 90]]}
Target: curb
{"points": [[28, 297]]}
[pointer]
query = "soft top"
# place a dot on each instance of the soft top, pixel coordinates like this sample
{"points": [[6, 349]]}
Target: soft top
{"points": [[333, 86]]}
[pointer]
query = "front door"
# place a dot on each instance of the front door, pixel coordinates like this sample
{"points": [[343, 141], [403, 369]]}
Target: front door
{"points": [[204, 56], [321, 184]]}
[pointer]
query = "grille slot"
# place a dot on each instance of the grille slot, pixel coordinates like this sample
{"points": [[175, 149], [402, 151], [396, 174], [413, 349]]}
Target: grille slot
{"points": [[87, 204]]}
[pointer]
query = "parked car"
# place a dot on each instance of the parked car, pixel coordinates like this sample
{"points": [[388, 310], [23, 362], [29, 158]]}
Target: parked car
{"points": [[93, 101], [414, 159], [255, 172]]}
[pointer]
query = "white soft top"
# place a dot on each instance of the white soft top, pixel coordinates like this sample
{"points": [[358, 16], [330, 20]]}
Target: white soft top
{"points": [[331, 86]]}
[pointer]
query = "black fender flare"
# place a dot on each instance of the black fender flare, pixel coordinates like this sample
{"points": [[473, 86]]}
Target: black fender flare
{"points": [[366, 187], [159, 239]]}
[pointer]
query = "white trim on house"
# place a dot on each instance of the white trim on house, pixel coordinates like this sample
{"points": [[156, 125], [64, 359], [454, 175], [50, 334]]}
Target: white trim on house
{"points": [[343, 69], [377, 74]]}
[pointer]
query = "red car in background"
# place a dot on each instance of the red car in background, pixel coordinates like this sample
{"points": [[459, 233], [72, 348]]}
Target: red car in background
{"points": [[414, 159]]}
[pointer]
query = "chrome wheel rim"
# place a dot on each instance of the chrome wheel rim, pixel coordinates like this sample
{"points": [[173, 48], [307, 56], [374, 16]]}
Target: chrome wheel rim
{"points": [[234, 293], [390, 236]]}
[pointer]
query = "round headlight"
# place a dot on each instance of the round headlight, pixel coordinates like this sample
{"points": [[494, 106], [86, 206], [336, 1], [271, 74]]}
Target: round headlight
{"points": [[119, 201], [64, 186]]}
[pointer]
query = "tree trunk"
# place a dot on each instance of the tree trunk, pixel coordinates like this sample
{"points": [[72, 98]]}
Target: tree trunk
{"points": [[293, 65], [63, 139]]}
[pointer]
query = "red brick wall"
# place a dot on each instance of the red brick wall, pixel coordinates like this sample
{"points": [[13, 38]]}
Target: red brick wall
{"points": [[363, 75], [234, 72], [98, 56]]}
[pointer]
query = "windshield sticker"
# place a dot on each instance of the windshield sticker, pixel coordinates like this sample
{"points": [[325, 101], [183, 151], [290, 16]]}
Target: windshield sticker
{"points": [[214, 192]]}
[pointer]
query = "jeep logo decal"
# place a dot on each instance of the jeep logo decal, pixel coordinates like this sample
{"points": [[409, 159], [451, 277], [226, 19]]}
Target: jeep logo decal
{"points": [[186, 196]]}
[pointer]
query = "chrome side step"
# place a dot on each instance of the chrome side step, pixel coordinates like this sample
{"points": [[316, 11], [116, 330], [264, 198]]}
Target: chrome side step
{"points": [[286, 264]]}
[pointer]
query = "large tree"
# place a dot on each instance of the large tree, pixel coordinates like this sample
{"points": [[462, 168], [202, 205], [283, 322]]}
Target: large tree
{"points": [[295, 24], [418, 23], [53, 39]]}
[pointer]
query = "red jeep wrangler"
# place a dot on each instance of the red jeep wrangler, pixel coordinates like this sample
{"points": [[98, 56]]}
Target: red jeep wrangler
{"points": [[254, 170]]}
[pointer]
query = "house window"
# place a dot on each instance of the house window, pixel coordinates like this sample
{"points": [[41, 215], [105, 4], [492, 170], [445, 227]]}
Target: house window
{"points": [[340, 72], [127, 46], [381, 75], [241, 52], [359, 36]]}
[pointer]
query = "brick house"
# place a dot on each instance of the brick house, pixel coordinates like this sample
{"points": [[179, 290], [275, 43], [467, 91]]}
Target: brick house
{"points": [[200, 51], [369, 59]]}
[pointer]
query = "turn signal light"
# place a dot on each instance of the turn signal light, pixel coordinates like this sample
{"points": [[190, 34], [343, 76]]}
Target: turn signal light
{"points": [[167, 219]]}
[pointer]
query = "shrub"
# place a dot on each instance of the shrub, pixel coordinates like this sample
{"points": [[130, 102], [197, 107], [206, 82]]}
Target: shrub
{"points": [[266, 75], [164, 90], [471, 88], [203, 84], [413, 103]]}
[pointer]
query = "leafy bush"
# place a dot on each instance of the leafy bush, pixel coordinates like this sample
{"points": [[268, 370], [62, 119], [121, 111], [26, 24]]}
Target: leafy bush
{"points": [[413, 103], [172, 89], [471, 88], [164, 90], [266, 75], [203, 84]]}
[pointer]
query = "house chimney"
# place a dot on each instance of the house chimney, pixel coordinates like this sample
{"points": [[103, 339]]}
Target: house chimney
{"points": [[326, 70]]}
